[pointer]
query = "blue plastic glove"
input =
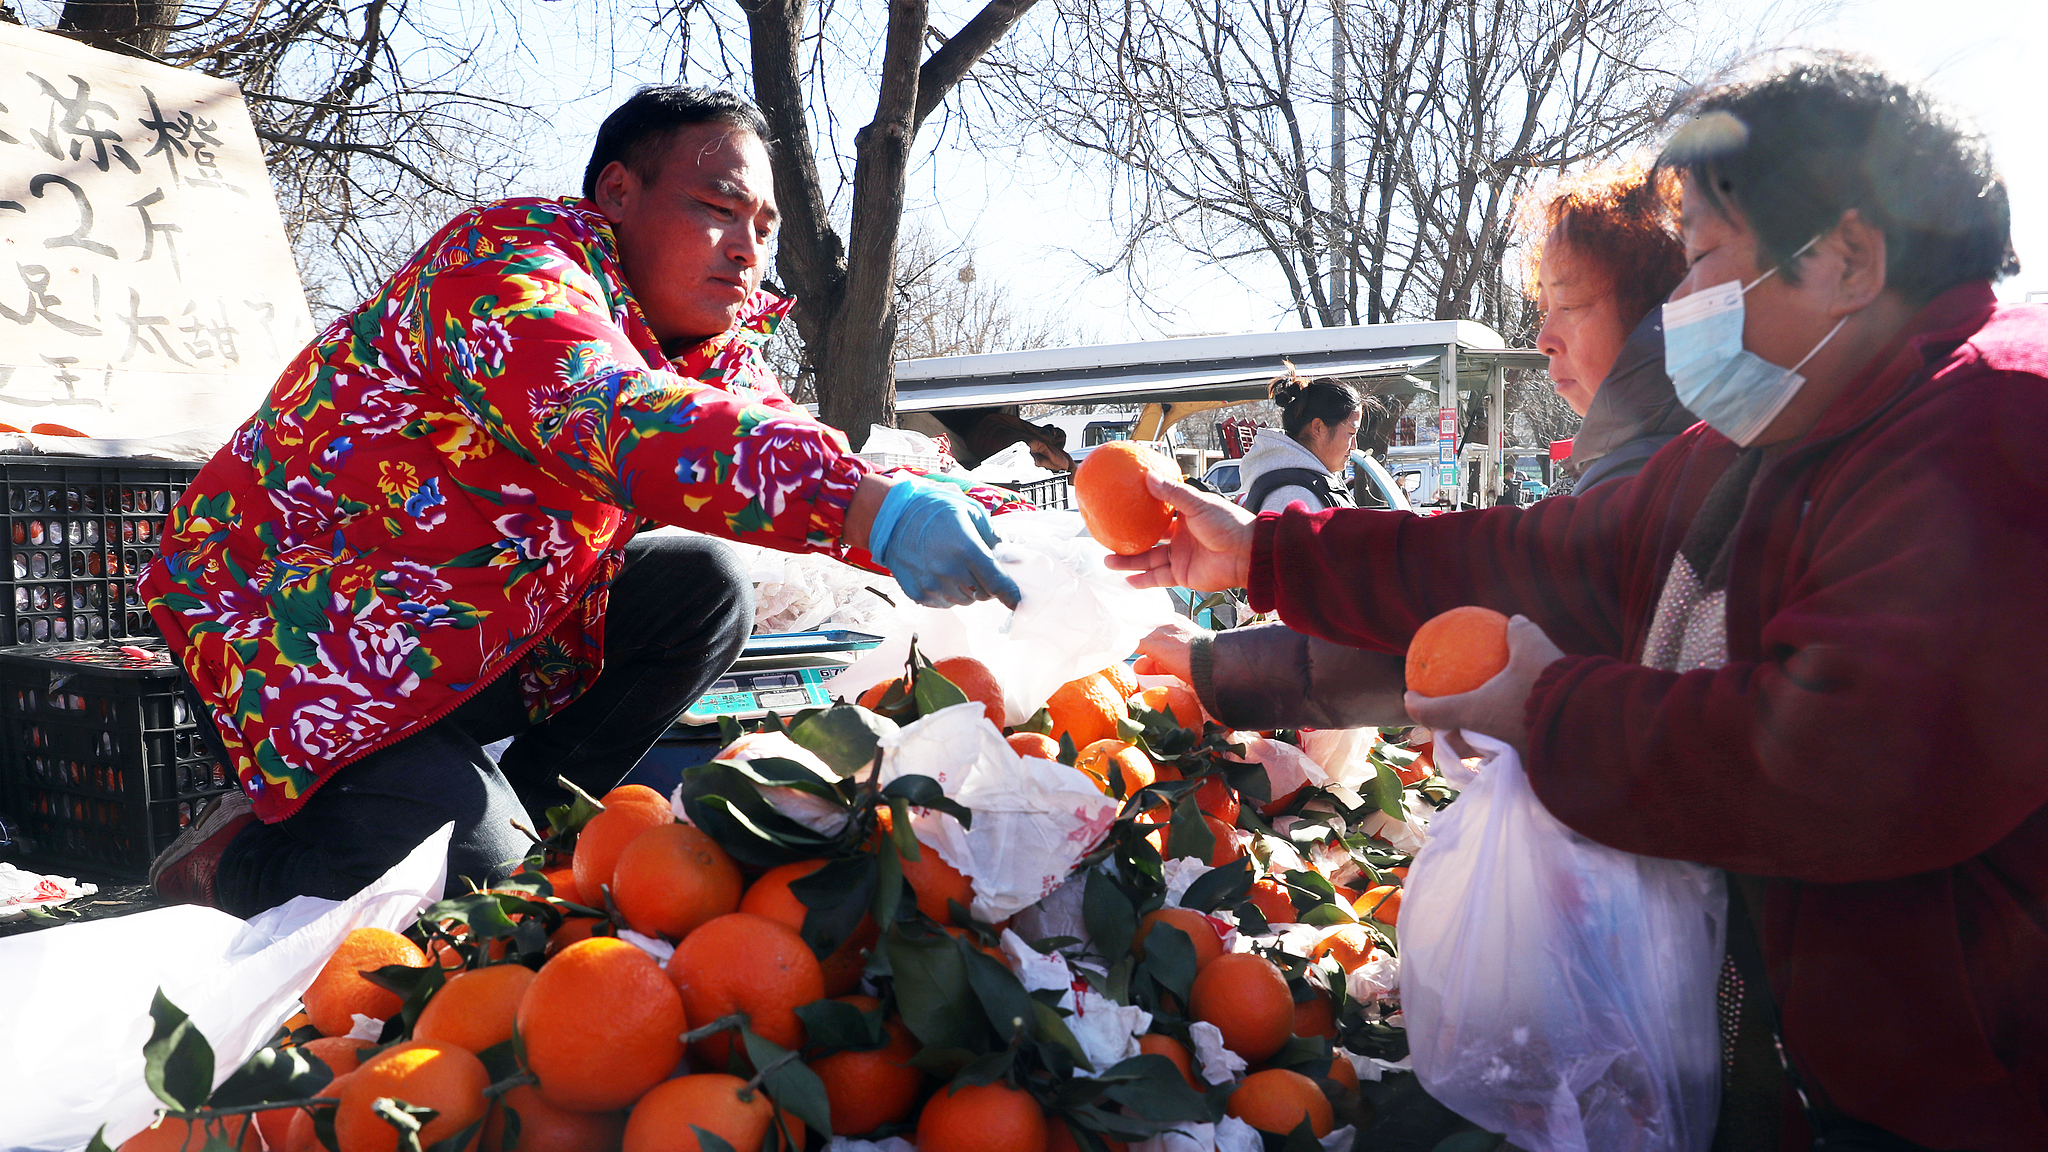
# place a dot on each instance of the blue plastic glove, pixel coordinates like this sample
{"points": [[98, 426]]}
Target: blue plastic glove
{"points": [[935, 540]]}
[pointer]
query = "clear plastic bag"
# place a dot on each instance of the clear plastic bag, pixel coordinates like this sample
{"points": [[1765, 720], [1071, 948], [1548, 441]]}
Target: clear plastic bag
{"points": [[1555, 989]]}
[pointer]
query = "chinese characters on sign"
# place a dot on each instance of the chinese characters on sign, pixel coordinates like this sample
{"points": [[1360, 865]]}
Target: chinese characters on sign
{"points": [[145, 282]]}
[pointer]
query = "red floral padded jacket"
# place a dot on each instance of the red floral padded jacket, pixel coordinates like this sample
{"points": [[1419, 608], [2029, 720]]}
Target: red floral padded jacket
{"points": [[442, 485]]}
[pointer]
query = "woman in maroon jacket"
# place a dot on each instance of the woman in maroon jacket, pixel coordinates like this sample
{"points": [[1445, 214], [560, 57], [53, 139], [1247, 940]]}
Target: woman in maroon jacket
{"points": [[1804, 644]]}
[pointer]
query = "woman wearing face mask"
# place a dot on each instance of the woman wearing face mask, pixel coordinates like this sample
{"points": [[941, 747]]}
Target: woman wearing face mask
{"points": [[1803, 644], [1318, 429]]}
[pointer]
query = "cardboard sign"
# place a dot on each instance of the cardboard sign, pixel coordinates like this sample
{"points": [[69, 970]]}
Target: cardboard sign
{"points": [[145, 282]]}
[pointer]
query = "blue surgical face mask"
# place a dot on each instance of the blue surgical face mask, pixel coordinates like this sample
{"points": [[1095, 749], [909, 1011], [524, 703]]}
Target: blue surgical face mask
{"points": [[1737, 392]]}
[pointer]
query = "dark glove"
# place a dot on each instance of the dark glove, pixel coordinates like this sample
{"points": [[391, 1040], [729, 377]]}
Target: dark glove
{"points": [[935, 540]]}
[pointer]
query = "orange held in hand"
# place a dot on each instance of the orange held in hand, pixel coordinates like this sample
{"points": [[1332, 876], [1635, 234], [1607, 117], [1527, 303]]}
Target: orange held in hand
{"points": [[1121, 513], [340, 990], [1457, 651], [1182, 703]]}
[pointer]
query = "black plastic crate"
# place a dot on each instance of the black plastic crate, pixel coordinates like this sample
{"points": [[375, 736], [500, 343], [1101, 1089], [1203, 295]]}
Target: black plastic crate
{"points": [[1049, 494], [76, 535], [105, 762]]}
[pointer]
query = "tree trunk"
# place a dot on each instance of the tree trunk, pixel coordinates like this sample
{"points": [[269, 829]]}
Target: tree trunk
{"points": [[858, 349], [846, 291], [141, 27]]}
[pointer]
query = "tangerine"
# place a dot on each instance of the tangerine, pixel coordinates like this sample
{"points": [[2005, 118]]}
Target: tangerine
{"points": [[1457, 651], [340, 991], [1120, 511], [1382, 904], [673, 878], [1278, 1100], [749, 964], [546, 1128], [301, 1138], [1034, 744], [341, 1054], [1315, 1016], [1221, 852], [1059, 1137], [770, 896], [1273, 902], [720, 1104], [1199, 929], [1085, 710], [935, 881], [563, 881], [475, 1009], [1153, 1044], [872, 698], [423, 1073], [1181, 703], [1247, 999], [973, 678], [601, 1024], [603, 838], [1122, 679], [981, 1118], [1351, 945], [1118, 762], [573, 928], [1217, 798], [168, 1134], [869, 1089], [1343, 1073]]}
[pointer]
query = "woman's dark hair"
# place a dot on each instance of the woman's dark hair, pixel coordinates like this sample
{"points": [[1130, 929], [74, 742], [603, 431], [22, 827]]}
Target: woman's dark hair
{"points": [[1301, 400], [638, 132], [1623, 222], [1793, 150]]}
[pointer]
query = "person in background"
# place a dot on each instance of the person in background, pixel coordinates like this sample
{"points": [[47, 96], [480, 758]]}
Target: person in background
{"points": [[1607, 254], [1318, 429], [425, 539], [1803, 644]]}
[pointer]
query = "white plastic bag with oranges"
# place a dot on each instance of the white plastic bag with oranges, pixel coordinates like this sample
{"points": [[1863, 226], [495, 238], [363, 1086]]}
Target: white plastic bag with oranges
{"points": [[1557, 990]]}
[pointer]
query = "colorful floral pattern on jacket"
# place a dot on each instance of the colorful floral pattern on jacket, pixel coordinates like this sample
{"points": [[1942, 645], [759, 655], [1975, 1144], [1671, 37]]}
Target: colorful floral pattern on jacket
{"points": [[441, 486]]}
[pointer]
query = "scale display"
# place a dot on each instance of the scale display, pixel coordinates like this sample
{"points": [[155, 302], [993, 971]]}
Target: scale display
{"points": [[744, 694]]}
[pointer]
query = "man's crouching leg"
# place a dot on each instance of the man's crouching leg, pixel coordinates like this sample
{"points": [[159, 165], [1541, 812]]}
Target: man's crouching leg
{"points": [[680, 612]]}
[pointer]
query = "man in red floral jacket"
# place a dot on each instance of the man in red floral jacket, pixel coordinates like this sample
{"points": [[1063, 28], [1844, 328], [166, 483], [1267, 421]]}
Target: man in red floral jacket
{"points": [[423, 541]]}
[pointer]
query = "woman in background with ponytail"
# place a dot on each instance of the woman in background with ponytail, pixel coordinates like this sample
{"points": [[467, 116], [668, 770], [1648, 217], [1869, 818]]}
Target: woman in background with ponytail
{"points": [[1318, 429]]}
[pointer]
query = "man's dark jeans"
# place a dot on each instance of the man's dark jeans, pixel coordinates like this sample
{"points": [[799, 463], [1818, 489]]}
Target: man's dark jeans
{"points": [[680, 612]]}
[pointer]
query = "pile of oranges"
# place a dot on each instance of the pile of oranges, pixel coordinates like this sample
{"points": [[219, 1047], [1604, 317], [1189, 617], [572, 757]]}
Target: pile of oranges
{"points": [[572, 1033]]}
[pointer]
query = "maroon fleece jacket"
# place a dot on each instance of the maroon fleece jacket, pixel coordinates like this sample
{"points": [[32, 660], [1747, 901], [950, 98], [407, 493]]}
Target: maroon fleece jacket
{"points": [[1877, 744]]}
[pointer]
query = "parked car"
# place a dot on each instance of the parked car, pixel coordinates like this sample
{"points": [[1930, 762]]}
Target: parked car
{"points": [[1224, 479]]}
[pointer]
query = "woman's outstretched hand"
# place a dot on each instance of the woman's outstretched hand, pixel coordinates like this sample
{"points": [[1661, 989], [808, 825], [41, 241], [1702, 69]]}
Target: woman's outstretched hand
{"points": [[1209, 547]]}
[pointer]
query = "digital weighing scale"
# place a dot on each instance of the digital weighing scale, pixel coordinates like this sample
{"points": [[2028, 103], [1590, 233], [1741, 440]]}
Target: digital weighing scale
{"points": [[780, 672]]}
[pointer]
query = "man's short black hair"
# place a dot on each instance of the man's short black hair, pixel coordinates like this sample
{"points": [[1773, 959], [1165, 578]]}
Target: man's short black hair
{"points": [[1793, 150], [637, 132]]}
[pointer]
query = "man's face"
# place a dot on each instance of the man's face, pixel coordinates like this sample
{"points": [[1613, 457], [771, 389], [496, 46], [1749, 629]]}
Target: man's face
{"points": [[1781, 321], [694, 239]]}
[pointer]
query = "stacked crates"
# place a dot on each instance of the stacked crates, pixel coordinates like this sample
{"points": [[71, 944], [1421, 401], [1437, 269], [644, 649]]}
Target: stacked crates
{"points": [[104, 761]]}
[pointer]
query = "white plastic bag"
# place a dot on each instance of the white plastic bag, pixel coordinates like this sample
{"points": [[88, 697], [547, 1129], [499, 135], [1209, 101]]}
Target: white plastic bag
{"points": [[78, 1015], [1555, 989], [1076, 617], [1033, 819]]}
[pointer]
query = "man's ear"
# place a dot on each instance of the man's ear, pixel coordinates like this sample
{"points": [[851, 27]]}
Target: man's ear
{"points": [[616, 187], [1861, 247]]}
